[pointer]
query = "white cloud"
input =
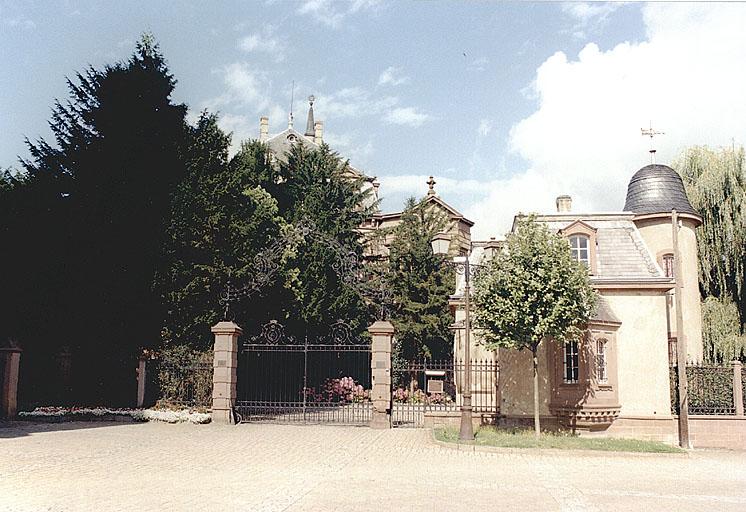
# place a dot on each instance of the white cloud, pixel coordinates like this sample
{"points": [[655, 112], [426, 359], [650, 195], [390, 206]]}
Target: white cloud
{"points": [[331, 13], [589, 16], [408, 116], [584, 138], [349, 146], [392, 76], [264, 42]]}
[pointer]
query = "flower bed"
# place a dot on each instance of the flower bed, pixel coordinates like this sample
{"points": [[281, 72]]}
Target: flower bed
{"points": [[105, 413]]}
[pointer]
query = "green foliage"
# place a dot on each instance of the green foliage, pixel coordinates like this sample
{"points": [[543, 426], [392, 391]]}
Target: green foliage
{"points": [[715, 182], [317, 184], [88, 218], [185, 377], [220, 220], [421, 286], [722, 334], [533, 290]]}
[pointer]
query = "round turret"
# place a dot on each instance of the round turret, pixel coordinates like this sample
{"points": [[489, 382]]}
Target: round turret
{"points": [[657, 189]]}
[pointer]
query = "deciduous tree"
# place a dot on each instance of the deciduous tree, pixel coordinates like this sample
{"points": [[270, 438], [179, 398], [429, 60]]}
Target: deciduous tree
{"points": [[530, 292]]}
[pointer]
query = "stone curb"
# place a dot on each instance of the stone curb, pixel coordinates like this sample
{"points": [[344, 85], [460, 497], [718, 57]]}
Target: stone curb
{"points": [[467, 447]]}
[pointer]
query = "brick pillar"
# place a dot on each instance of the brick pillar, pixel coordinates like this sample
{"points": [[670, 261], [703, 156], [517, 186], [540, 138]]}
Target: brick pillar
{"points": [[11, 358], [141, 376], [737, 388], [382, 333], [225, 361]]}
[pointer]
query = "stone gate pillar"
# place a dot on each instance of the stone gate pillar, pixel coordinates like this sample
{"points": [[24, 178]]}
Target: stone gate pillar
{"points": [[225, 361], [382, 333], [11, 358]]}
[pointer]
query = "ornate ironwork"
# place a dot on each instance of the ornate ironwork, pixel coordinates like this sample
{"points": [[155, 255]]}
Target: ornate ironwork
{"points": [[347, 265], [273, 333]]}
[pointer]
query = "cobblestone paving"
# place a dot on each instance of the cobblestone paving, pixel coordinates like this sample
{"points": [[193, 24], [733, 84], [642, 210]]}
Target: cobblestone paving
{"points": [[113, 467]]}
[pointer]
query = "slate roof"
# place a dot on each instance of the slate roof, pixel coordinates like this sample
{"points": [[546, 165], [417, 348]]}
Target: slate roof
{"points": [[621, 252], [657, 189], [281, 143], [604, 313]]}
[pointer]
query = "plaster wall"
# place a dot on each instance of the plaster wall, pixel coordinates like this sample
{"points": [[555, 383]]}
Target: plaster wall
{"points": [[642, 352], [517, 382], [658, 236]]}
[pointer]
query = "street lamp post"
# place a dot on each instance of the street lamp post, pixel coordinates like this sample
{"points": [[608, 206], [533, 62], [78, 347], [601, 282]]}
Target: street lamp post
{"points": [[462, 266]]}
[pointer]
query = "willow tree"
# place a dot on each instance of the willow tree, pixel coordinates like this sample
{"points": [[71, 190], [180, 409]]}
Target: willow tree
{"points": [[721, 331], [715, 182]]}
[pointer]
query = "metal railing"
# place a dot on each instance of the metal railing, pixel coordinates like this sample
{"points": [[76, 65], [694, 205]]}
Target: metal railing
{"points": [[711, 389]]}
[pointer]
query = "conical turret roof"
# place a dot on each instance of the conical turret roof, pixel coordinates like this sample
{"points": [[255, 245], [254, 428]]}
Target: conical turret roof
{"points": [[657, 188]]}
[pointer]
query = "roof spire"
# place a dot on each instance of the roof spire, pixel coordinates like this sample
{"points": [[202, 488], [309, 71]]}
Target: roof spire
{"points": [[650, 132], [310, 130], [292, 99], [431, 184]]}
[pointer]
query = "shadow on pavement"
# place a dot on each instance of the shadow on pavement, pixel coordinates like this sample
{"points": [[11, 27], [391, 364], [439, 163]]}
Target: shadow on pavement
{"points": [[20, 428]]}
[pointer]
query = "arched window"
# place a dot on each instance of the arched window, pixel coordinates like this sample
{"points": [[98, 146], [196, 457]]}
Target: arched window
{"points": [[580, 249], [601, 362], [571, 362], [668, 265]]}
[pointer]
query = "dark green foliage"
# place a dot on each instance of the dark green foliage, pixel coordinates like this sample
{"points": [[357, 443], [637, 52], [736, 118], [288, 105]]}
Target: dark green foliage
{"points": [[90, 216], [221, 218], [421, 285], [318, 185]]}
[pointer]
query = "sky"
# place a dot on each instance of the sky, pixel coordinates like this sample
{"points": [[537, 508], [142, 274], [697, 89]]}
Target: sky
{"points": [[507, 104]]}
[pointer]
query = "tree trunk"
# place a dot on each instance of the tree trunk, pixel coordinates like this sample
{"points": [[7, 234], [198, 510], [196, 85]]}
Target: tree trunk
{"points": [[537, 426]]}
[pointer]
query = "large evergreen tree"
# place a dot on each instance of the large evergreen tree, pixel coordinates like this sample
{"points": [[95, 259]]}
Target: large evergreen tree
{"points": [[96, 210], [421, 285], [221, 218]]}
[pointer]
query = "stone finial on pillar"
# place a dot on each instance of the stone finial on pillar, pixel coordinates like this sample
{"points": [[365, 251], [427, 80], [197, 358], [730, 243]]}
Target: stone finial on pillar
{"points": [[225, 361], [382, 333], [11, 358]]}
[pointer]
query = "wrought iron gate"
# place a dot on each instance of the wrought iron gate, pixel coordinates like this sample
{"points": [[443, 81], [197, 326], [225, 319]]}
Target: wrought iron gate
{"points": [[284, 379], [419, 388]]}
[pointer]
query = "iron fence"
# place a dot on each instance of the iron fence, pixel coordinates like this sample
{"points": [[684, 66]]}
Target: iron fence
{"points": [[178, 385], [710, 389], [431, 387]]}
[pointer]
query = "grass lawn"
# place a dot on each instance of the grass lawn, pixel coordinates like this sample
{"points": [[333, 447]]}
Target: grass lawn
{"points": [[524, 438]]}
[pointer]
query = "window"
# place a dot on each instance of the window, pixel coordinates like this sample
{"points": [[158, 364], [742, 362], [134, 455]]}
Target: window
{"points": [[580, 249], [668, 265], [601, 373], [571, 362]]}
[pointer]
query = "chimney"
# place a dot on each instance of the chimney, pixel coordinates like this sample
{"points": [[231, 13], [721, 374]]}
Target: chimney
{"points": [[263, 129], [564, 204], [318, 132]]}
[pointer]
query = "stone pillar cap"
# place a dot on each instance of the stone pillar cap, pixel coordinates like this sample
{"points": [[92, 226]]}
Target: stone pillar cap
{"points": [[225, 327], [381, 327]]}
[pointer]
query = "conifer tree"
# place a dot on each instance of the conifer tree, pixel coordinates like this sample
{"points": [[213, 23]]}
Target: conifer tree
{"points": [[421, 286]]}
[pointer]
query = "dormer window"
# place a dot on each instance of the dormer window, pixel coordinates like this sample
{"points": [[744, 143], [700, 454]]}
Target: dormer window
{"points": [[582, 239], [580, 249]]}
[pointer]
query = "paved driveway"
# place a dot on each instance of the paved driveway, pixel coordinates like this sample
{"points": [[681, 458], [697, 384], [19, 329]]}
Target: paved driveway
{"points": [[107, 467]]}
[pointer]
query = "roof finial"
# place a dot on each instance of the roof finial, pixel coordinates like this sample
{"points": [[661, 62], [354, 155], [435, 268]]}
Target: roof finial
{"points": [[310, 130], [650, 132], [431, 184], [292, 98]]}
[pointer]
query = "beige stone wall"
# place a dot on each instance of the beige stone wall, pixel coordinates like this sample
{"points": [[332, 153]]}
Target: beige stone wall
{"points": [[642, 352], [657, 234], [517, 384]]}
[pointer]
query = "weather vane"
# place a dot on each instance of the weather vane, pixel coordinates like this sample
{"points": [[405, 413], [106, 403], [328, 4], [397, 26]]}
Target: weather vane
{"points": [[650, 132]]}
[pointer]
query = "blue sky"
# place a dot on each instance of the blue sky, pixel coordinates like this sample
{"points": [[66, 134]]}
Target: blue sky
{"points": [[507, 104]]}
